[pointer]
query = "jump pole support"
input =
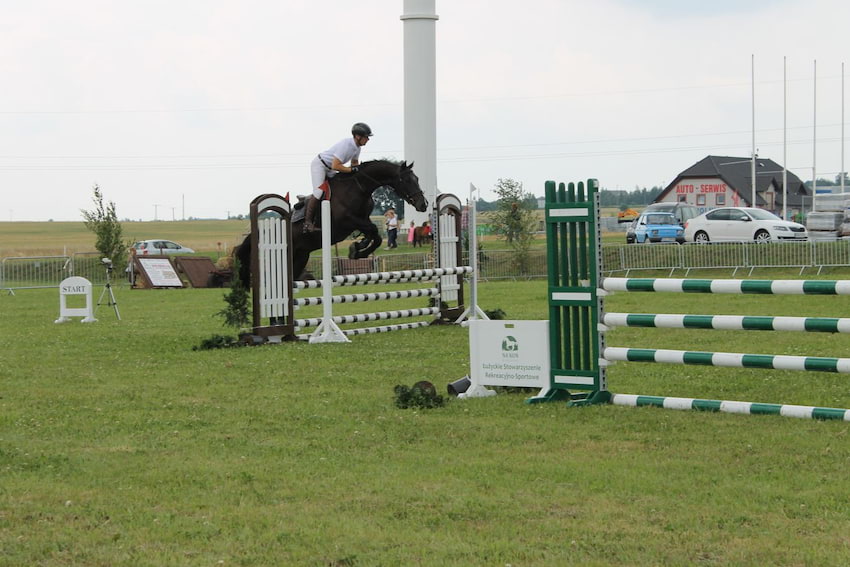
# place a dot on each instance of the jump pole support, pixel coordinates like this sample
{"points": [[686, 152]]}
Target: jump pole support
{"points": [[473, 312], [328, 331], [576, 292]]}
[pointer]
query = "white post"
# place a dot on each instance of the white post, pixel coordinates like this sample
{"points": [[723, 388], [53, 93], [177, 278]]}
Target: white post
{"points": [[473, 312], [420, 97], [815, 139], [753, 164], [784, 139], [328, 331]]}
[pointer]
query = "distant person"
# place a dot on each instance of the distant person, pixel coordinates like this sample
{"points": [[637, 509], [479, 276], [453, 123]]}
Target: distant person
{"points": [[392, 229], [330, 162], [411, 233]]}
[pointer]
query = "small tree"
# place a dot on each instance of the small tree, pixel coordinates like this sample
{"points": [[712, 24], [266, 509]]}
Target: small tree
{"points": [[103, 222], [515, 220], [237, 312]]}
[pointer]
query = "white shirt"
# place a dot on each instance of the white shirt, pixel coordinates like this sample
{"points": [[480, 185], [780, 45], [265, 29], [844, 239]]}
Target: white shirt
{"points": [[345, 150]]}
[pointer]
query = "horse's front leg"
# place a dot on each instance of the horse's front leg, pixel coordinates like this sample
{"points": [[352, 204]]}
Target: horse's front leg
{"points": [[368, 243]]}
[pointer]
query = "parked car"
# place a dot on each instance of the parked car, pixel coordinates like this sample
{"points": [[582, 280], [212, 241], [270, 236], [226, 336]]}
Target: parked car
{"points": [[655, 227], [155, 247], [742, 224], [682, 211]]}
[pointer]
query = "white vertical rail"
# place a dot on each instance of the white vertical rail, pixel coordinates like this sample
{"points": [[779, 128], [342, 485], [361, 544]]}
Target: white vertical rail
{"points": [[328, 331], [272, 249], [448, 237]]}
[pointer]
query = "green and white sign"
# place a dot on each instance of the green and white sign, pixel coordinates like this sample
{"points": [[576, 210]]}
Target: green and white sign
{"points": [[509, 353]]}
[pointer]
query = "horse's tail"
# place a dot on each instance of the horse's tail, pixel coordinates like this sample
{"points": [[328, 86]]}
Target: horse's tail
{"points": [[242, 255]]}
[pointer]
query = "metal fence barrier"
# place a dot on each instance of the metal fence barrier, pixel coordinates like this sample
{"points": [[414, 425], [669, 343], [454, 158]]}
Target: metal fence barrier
{"points": [[34, 272], [49, 271]]}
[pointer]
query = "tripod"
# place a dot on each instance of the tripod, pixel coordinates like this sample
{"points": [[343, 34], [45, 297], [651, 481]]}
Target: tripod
{"points": [[107, 289]]}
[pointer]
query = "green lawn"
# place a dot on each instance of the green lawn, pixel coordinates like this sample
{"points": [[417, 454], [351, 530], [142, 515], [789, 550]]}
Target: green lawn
{"points": [[120, 445]]}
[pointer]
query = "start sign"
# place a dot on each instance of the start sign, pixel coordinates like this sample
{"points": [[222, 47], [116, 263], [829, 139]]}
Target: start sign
{"points": [[508, 353], [75, 285]]}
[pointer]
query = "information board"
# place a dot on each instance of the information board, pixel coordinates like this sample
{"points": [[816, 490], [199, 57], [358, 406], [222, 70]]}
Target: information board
{"points": [[158, 272]]}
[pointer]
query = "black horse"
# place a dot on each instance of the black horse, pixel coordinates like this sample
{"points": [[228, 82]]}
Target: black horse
{"points": [[351, 205]]}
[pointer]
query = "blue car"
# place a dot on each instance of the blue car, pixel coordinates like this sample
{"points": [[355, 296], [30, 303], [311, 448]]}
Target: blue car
{"points": [[658, 227]]}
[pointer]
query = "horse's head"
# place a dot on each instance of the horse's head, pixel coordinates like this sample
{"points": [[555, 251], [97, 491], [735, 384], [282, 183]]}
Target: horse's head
{"points": [[407, 187]]}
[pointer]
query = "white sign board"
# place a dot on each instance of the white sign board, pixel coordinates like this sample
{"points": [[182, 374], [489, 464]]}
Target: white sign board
{"points": [[160, 272], [75, 285], [509, 353]]}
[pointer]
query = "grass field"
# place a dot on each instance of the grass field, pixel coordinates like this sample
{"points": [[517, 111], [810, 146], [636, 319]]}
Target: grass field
{"points": [[120, 445], [203, 236]]}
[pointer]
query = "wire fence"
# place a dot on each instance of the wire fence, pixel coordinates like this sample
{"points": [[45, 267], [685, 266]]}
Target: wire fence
{"points": [[48, 271]]}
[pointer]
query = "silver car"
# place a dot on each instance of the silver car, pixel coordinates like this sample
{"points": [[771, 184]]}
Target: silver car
{"points": [[160, 247]]}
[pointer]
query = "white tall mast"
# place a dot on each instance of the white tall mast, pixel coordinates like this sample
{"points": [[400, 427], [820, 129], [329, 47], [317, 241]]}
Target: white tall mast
{"points": [[420, 98]]}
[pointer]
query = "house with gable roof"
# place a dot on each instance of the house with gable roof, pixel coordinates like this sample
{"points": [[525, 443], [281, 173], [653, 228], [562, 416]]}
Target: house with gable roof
{"points": [[726, 181]]}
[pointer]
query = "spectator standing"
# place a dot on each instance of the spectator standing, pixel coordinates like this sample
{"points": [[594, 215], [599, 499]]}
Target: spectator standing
{"points": [[392, 229]]}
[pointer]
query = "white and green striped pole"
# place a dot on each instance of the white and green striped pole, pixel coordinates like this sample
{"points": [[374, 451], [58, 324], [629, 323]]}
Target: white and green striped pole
{"points": [[728, 359], [804, 412], [763, 287], [728, 322]]}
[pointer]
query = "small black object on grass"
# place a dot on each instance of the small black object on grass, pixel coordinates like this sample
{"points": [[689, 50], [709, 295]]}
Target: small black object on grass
{"points": [[423, 394]]}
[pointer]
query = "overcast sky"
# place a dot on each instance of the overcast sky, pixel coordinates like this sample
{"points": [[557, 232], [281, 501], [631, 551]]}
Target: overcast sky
{"points": [[212, 102]]}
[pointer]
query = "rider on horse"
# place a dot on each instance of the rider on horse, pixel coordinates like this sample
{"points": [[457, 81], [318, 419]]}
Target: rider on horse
{"points": [[329, 163]]}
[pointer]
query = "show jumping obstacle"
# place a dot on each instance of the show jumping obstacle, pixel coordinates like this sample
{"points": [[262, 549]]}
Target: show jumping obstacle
{"points": [[273, 285], [578, 322]]}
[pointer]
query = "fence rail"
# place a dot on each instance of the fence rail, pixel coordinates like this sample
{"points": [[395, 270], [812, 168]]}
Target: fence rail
{"points": [[48, 271]]}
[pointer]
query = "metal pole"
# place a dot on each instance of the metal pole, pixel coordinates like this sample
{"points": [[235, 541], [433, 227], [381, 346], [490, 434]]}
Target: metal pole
{"points": [[473, 312], [784, 139], [815, 141], [753, 90], [842, 127]]}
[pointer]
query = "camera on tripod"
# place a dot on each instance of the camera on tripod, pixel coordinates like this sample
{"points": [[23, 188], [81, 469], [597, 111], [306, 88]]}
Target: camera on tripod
{"points": [[107, 288]]}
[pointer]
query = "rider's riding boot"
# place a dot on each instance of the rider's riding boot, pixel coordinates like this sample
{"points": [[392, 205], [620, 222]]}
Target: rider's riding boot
{"points": [[310, 210]]}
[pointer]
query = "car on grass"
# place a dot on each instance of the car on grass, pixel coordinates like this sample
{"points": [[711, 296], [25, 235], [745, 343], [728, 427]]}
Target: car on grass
{"points": [[742, 224], [160, 247], [655, 227]]}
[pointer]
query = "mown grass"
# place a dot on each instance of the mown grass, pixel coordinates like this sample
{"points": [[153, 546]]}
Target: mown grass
{"points": [[119, 445]]}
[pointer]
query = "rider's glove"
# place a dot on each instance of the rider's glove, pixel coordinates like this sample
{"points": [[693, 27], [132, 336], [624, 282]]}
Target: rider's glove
{"points": [[354, 169]]}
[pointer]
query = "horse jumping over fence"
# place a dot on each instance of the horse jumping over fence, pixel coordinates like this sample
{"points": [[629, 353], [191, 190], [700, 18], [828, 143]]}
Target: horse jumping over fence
{"points": [[351, 204]]}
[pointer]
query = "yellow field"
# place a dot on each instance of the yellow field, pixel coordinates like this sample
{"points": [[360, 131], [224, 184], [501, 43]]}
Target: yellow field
{"points": [[49, 238]]}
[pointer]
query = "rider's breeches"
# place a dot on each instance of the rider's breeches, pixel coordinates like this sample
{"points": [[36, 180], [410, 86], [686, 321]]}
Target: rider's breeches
{"points": [[319, 178]]}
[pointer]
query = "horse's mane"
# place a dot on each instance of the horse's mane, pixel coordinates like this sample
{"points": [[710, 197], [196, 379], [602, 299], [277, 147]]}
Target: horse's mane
{"points": [[394, 162]]}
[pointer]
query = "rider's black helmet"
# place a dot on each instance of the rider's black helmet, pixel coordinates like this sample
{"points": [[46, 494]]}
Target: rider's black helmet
{"points": [[361, 129]]}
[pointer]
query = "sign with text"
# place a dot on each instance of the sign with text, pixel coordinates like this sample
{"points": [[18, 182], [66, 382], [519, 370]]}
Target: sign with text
{"points": [[75, 286], [509, 353], [158, 272]]}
